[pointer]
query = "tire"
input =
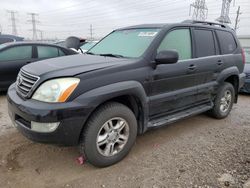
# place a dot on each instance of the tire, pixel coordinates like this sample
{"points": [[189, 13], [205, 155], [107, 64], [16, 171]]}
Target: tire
{"points": [[104, 131], [218, 111]]}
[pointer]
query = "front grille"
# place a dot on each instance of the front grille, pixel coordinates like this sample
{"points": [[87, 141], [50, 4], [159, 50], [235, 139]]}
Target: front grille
{"points": [[25, 82]]}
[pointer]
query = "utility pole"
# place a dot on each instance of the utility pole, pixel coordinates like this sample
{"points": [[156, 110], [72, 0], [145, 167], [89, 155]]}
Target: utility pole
{"points": [[13, 21], [200, 10], [91, 32], [224, 16], [41, 34], [34, 22], [237, 20]]}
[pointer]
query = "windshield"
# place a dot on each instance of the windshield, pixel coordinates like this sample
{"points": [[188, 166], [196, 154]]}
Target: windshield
{"points": [[88, 45], [126, 43], [247, 53]]}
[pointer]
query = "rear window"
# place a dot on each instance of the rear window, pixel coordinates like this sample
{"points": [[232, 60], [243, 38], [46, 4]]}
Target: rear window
{"points": [[204, 43], [227, 42]]}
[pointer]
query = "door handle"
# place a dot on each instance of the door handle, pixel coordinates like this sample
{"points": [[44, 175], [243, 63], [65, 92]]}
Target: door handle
{"points": [[192, 67], [220, 62]]}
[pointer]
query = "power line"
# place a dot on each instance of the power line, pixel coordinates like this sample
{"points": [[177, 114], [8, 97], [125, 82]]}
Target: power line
{"points": [[34, 22], [200, 10], [13, 21]]}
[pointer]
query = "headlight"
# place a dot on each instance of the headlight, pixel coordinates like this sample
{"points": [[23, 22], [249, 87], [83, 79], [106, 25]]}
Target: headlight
{"points": [[57, 90]]}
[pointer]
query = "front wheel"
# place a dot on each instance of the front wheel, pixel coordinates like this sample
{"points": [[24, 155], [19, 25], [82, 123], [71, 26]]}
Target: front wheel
{"points": [[109, 135], [224, 101]]}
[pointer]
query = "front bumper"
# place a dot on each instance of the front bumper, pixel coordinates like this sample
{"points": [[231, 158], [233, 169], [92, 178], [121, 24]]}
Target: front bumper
{"points": [[71, 115]]}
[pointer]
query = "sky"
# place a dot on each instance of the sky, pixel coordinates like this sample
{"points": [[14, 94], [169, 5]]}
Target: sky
{"points": [[58, 19]]}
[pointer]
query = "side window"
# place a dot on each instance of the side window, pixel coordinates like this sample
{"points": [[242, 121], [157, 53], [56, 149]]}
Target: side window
{"points": [[16, 53], [61, 53], [204, 43], [47, 52], [178, 40], [227, 42]]}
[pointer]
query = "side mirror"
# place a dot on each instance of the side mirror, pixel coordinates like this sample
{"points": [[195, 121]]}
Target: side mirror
{"points": [[167, 57], [74, 42]]}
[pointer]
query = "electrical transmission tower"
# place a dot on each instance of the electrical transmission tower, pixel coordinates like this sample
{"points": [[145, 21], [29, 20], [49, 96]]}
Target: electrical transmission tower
{"points": [[200, 10], [34, 22], [224, 16], [13, 21]]}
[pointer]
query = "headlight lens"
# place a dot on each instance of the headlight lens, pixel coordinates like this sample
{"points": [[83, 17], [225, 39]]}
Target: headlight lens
{"points": [[56, 90]]}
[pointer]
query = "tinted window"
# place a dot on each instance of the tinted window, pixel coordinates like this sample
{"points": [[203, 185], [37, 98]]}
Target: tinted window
{"points": [[227, 42], [47, 52], [16, 53], [204, 43], [178, 40]]}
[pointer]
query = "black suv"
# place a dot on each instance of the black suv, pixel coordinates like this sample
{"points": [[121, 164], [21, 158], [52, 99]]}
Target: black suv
{"points": [[135, 79]]}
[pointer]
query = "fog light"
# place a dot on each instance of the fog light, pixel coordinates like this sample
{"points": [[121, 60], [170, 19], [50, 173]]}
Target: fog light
{"points": [[44, 127]]}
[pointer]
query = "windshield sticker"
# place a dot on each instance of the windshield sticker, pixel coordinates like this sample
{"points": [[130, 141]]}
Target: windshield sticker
{"points": [[147, 34]]}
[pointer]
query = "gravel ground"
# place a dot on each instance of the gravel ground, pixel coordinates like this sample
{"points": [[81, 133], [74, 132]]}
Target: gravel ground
{"points": [[196, 152]]}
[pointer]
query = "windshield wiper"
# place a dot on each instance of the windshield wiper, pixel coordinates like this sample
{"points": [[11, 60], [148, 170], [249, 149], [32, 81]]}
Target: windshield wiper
{"points": [[112, 55], [90, 53]]}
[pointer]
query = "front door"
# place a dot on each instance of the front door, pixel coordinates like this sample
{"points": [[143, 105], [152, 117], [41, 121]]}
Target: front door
{"points": [[173, 86]]}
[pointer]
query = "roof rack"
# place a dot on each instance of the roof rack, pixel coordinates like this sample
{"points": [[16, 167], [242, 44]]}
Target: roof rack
{"points": [[205, 23]]}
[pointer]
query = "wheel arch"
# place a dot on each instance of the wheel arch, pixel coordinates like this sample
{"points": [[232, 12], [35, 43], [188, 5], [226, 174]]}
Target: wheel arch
{"points": [[129, 93], [230, 75]]}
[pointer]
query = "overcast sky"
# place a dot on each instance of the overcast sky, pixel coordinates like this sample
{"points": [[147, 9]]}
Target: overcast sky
{"points": [[61, 18]]}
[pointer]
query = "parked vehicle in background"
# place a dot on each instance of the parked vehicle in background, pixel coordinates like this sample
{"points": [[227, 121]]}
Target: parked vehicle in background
{"points": [[246, 87], [89, 44], [60, 43], [9, 38], [17, 54], [135, 79]]}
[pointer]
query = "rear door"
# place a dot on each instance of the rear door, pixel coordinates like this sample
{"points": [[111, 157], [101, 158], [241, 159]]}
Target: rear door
{"points": [[11, 61], [208, 62]]}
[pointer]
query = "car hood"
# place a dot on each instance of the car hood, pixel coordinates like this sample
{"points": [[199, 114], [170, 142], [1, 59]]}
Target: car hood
{"points": [[247, 68], [72, 65]]}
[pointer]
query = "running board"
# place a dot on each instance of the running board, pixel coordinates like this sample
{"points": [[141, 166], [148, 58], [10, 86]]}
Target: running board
{"points": [[180, 115]]}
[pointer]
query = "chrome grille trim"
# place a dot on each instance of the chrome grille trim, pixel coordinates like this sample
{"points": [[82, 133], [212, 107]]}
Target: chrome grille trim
{"points": [[25, 82]]}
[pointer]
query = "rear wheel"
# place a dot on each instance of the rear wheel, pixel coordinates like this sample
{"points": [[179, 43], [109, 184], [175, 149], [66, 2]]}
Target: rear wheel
{"points": [[109, 135], [224, 101]]}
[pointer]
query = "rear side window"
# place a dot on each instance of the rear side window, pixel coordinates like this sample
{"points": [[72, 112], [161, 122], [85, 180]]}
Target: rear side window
{"points": [[204, 43], [227, 42], [16, 53], [47, 52], [178, 40]]}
